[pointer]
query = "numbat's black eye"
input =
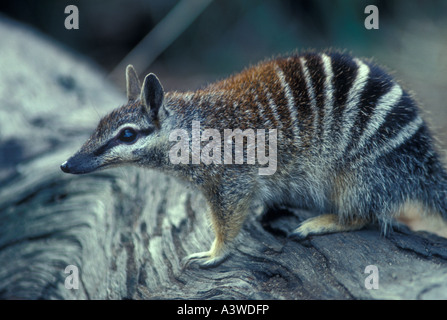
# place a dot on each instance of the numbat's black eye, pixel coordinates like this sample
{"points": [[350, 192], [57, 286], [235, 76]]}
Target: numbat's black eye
{"points": [[128, 135]]}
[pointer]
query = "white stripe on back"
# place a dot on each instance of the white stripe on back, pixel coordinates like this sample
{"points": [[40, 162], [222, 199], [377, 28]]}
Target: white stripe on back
{"points": [[272, 105], [311, 93], [290, 101], [352, 105], [383, 107], [394, 142], [260, 109], [328, 99]]}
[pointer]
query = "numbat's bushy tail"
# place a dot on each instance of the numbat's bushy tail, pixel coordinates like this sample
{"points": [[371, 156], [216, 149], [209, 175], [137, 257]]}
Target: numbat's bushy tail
{"points": [[337, 134]]}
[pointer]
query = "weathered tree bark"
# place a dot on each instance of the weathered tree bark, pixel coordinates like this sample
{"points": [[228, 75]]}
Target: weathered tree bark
{"points": [[126, 230]]}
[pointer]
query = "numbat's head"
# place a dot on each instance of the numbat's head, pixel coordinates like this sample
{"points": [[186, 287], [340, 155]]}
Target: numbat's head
{"points": [[126, 133]]}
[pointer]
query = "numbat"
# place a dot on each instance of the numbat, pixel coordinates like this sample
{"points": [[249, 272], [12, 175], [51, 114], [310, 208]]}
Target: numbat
{"points": [[350, 144]]}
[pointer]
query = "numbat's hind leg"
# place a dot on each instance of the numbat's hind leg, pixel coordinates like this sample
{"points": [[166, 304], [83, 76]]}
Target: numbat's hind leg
{"points": [[326, 223]]}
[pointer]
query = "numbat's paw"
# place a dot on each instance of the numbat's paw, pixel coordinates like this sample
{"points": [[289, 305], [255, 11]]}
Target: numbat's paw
{"points": [[203, 260]]}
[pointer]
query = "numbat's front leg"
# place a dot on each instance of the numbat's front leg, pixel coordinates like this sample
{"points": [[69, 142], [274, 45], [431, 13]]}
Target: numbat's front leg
{"points": [[207, 259], [226, 226]]}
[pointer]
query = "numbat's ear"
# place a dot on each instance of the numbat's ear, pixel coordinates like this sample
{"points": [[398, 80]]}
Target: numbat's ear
{"points": [[132, 83], [152, 94]]}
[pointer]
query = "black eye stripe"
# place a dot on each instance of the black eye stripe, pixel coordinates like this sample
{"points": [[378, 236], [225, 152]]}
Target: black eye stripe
{"points": [[141, 132], [115, 141], [108, 145], [146, 132]]}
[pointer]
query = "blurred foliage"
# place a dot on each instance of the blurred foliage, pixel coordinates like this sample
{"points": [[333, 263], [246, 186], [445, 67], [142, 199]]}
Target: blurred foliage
{"points": [[230, 32]]}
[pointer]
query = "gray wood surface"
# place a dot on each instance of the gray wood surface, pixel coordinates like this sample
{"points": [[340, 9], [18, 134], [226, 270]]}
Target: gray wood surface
{"points": [[126, 230]]}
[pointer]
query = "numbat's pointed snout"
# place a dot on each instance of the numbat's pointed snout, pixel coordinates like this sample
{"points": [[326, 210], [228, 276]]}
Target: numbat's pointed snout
{"points": [[65, 168]]}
